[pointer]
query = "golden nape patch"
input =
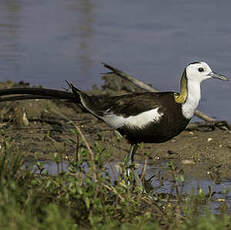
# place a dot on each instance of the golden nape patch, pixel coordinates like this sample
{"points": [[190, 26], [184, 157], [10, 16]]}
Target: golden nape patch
{"points": [[181, 98]]}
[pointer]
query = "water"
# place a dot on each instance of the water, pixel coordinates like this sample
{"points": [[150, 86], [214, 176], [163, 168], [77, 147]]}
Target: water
{"points": [[158, 181], [45, 43]]}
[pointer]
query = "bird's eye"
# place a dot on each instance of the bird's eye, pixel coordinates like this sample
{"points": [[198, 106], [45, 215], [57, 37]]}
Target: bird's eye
{"points": [[201, 69]]}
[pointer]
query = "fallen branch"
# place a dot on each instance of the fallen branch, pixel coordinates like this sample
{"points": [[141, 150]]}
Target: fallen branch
{"points": [[208, 126], [132, 79], [148, 88]]}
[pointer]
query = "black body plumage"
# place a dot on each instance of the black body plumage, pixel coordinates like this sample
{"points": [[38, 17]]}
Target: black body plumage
{"points": [[171, 123]]}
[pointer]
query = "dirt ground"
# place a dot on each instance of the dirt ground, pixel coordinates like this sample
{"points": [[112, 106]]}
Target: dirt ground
{"points": [[41, 128]]}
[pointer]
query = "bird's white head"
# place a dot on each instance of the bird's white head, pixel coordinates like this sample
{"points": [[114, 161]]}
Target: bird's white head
{"points": [[200, 71], [190, 93]]}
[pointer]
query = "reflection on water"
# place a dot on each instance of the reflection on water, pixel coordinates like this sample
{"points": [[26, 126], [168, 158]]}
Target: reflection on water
{"points": [[10, 29], [46, 43], [154, 174], [43, 44]]}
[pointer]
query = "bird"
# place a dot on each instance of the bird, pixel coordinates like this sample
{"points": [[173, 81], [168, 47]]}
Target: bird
{"points": [[149, 117]]}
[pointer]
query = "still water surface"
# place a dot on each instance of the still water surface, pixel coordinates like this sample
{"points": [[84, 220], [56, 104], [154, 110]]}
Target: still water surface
{"points": [[46, 42], [155, 173]]}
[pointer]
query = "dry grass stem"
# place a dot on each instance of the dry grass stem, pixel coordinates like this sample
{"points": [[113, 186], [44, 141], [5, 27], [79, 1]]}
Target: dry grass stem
{"points": [[93, 168]]}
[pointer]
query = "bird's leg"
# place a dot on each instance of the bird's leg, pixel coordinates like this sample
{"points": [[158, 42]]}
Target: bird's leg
{"points": [[129, 161]]}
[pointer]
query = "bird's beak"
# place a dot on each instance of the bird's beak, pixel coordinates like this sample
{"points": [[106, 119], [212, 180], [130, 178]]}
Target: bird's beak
{"points": [[218, 76]]}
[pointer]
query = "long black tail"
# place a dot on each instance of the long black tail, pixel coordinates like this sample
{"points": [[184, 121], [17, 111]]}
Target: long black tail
{"points": [[77, 94], [14, 94], [75, 90], [34, 93]]}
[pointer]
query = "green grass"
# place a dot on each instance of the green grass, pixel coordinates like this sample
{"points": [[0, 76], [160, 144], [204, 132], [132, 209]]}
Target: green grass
{"points": [[86, 199]]}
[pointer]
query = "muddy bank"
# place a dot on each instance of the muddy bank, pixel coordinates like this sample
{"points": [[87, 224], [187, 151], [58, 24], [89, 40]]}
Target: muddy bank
{"points": [[42, 128]]}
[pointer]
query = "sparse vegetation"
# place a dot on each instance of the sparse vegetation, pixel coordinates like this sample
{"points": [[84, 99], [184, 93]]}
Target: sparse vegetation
{"points": [[85, 198]]}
